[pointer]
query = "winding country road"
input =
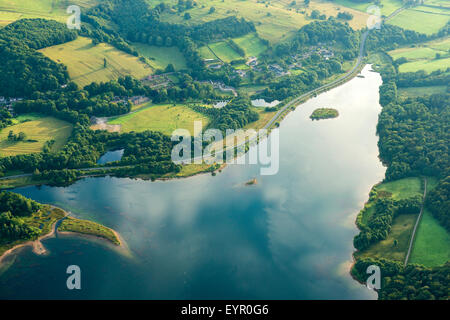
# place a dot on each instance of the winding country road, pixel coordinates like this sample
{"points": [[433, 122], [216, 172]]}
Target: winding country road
{"points": [[413, 235]]}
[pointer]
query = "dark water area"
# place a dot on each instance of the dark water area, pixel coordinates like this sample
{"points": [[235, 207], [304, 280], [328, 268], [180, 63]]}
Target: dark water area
{"points": [[111, 156], [289, 236]]}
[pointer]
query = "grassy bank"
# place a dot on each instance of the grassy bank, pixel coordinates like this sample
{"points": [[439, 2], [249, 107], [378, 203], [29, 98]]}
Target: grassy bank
{"points": [[88, 228]]}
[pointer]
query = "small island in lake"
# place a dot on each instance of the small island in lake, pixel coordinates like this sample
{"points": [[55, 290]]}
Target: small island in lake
{"points": [[324, 113]]}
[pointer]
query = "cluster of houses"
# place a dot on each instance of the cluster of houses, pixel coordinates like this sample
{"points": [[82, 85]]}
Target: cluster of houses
{"points": [[7, 103], [155, 81]]}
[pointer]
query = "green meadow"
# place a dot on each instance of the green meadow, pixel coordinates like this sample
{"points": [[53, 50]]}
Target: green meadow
{"points": [[163, 118], [85, 61], [161, 57], [38, 130], [430, 56], [420, 21], [252, 44], [12, 10], [224, 51], [403, 188], [420, 91], [432, 242], [387, 6]]}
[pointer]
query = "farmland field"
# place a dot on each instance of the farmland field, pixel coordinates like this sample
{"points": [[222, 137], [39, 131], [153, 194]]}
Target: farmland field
{"points": [[420, 91], [85, 61], [40, 130], [160, 57], [427, 65], [432, 242], [423, 22], [403, 188], [252, 45], [224, 51], [387, 6], [274, 22], [163, 118], [430, 56], [11, 10]]}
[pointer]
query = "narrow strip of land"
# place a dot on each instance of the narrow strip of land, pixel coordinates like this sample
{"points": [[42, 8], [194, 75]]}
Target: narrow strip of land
{"points": [[413, 235]]}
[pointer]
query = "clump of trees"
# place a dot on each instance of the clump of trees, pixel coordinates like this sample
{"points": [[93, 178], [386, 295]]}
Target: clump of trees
{"points": [[24, 70], [379, 224], [16, 137], [413, 282], [13, 207]]}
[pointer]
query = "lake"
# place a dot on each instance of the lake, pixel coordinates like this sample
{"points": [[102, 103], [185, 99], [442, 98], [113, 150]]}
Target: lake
{"points": [[289, 236]]}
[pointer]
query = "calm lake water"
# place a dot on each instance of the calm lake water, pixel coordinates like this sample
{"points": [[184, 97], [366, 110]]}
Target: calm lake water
{"points": [[287, 237]]}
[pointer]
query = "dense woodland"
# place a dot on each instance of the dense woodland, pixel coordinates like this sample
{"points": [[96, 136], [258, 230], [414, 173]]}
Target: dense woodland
{"points": [[24, 70], [412, 282], [13, 207]]}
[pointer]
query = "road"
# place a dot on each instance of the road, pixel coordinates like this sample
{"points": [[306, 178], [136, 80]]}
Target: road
{"points": [[413, 235]]}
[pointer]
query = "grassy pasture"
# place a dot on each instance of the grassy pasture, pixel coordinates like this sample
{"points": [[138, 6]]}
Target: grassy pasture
{"points": [[421, 91], [333, 8], [252, 45], [163, 118], [432, 242], [89, 228], [224, 51], [160, 57], [424, 56], [274, 22], [439, 3], [41, 129], [403, 188], [423, 22], [428, 66], [433, 9], [85, 61], [12, 10], [387, 6]]}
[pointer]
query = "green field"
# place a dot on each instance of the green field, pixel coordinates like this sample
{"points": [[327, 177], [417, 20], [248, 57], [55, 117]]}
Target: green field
{"points": [[11, 10], [274, 21], [85, 61], [432, 242], [420, 91], [164, 118], [403, 188], [38, 129], [423, 22], [387, 6], [224, 51], [430, 56], [89, 228], [252, 45], [160, 57]]}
